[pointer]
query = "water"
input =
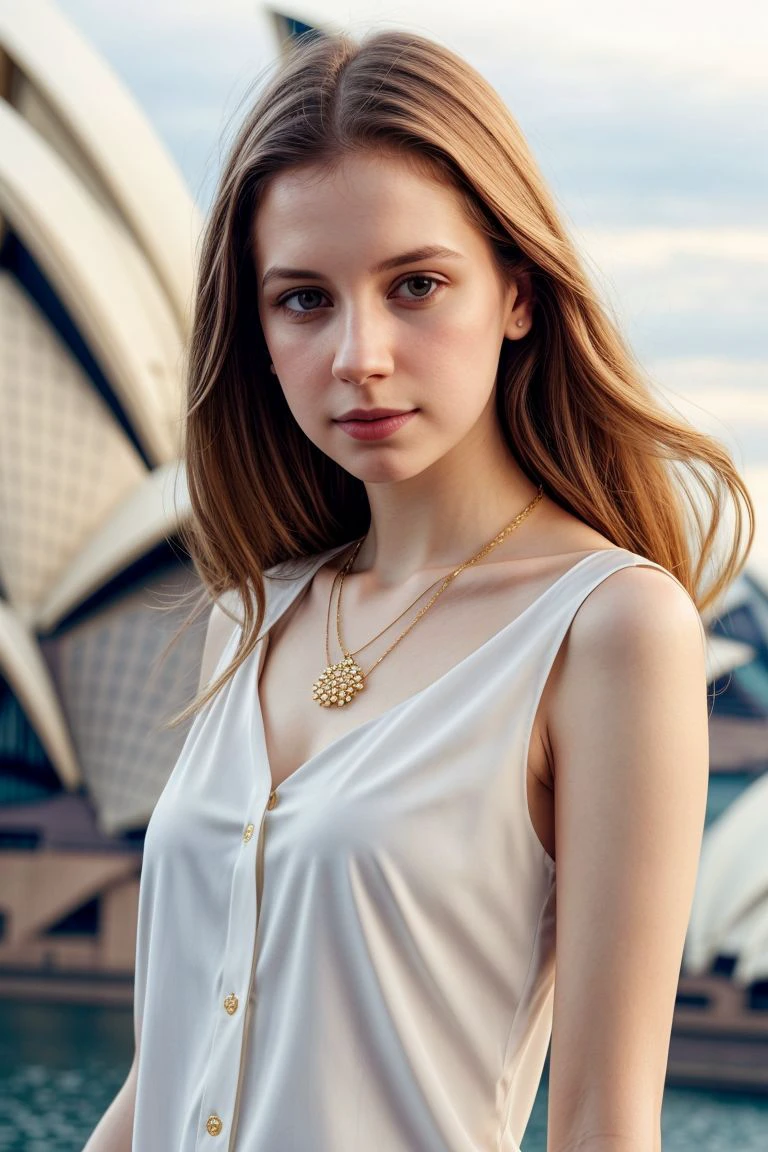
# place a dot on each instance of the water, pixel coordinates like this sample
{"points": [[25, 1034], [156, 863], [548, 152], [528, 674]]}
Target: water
{"points": [[61, 1065]]}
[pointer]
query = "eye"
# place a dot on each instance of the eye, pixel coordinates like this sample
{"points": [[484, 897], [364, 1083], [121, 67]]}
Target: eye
{"points": [[307, 299], [420, 286]]}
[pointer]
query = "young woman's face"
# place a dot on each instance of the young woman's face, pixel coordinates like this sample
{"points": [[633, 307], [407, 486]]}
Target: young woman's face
{"points": [[375, 291]]}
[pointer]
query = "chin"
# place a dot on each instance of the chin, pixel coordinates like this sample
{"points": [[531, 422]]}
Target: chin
{"points": [[385, 471]]}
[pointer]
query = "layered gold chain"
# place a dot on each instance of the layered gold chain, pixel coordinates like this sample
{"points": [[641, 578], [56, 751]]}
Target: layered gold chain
{"points": [[340, 682]]}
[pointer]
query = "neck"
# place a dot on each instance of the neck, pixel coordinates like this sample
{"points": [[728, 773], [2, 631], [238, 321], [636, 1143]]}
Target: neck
{"points": [[444, 516]]}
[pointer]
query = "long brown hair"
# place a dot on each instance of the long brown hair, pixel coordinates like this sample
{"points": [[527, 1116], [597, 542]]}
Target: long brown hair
{"points": [[576, 410]]}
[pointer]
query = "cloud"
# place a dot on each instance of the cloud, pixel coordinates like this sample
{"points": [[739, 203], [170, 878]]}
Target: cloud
{"points": [[623, 148], [649, 116], [655, 247], [648, 124], [188, 64], [725, 399], [692, 292], [723, 387]]}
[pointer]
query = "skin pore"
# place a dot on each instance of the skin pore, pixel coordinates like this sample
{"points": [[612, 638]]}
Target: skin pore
{"points": [[425, 335], [344, 331], [617, 762]]}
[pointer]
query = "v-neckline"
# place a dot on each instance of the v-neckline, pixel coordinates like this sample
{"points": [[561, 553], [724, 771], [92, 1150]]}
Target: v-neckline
{"points": [[302, 584]]}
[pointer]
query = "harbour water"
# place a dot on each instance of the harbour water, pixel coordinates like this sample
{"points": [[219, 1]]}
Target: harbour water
{"points": [[60, 1065]]}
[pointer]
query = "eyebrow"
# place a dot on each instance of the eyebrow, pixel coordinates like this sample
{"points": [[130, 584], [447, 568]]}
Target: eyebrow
{"points": [[431, 252]]}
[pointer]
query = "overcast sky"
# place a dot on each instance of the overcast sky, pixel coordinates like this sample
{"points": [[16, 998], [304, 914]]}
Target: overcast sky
{"points": [[648, 119]]}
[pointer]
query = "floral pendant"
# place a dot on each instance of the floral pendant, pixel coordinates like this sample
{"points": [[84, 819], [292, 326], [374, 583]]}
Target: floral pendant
{"points": [[338, 684]]}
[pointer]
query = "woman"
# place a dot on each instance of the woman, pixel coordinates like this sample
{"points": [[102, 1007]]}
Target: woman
{"points": [[448, 675]]}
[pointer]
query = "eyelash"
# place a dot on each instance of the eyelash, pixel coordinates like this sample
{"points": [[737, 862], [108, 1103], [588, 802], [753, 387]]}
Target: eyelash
{"points": [[301, 315]]}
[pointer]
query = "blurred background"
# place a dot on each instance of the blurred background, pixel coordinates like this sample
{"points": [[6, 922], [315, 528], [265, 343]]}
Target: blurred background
{"points": [[649, 124]]}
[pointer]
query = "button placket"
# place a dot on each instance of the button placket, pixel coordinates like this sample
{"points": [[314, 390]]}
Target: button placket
{"points": [[222, 1091], [258, 873]]}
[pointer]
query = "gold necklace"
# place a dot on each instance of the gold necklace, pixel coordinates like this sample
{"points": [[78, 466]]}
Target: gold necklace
{"points": [[340, 682]]}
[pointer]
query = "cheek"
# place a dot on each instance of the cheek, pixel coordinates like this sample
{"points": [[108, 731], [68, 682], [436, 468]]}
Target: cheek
{"points": [[303, 352], [475, 328], [302, 399], [459, 352], [301, 370]]}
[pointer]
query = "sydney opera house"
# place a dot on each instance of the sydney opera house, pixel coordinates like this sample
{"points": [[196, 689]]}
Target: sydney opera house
{"points": [[97, 245]]}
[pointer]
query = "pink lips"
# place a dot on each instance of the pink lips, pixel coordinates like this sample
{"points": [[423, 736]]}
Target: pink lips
{"points": [[375, 429]]}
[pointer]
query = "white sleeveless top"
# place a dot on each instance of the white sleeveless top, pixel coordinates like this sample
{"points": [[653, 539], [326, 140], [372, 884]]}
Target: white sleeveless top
{"points": [[363, 959]]}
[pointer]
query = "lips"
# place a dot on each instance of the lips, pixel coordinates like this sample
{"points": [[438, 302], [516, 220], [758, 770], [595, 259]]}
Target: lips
{"points": [[371, 413], [372, 427]]}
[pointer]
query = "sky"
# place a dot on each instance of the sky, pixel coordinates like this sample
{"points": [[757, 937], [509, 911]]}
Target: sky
{"points": [[648, 121]]}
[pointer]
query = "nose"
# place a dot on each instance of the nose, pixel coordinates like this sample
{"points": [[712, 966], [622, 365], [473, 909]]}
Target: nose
{"points": [[363, 351]]}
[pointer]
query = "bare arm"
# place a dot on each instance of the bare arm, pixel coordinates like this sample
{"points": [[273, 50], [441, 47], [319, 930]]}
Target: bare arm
{"points": [[629, 743], [114, 1132]]}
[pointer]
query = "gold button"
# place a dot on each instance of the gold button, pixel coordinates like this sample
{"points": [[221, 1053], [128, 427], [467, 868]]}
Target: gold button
{"points": [[214, 1124], [272, 802], [230, 1003], [248, 833]]}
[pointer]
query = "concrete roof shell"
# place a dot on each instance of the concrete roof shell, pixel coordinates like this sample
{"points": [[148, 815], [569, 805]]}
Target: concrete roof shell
{"points": [[101, 278], [151, 514], [25, 670], [730, 906], [113, 135], [65, 462], [724, 654], [90, 224]]}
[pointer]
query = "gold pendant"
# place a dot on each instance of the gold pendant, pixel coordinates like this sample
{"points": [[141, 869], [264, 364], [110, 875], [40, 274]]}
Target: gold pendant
{"points": [[339, 684]]}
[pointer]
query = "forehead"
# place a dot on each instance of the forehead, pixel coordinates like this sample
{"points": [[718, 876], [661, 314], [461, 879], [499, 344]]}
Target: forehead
{"points": [[362, 200]]}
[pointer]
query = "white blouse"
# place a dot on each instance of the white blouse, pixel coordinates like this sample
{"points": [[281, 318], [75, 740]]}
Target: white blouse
{"points": [[364, 958]]}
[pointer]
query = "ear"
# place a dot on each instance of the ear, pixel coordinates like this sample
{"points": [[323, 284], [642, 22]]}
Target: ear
{"points": [[519, 307]]}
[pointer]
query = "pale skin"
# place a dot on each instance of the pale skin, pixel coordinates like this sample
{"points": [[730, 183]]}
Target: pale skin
{"points": [[618, 766], [618, 760]]}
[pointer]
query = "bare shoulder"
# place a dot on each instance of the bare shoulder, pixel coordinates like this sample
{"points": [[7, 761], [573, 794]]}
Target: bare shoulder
{"points": [[636, 608], [636, 638]]}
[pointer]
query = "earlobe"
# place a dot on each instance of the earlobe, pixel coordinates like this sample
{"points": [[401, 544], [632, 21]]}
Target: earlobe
{"points": [[516, 328]]}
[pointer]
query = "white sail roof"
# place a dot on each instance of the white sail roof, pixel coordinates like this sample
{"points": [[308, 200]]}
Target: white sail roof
{"points": [[66, 462], [93, 196], [102, 279], [723, 655], [151, 513], [79, 104], [730, 907], [22, 666], [119, 683]]}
